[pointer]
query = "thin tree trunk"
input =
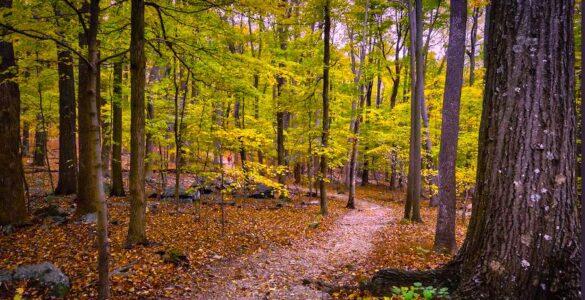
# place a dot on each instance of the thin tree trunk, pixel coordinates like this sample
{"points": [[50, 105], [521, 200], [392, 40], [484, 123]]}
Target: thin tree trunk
{"points": [[40, 142], [352, 168], [150, 146], [137, 224], [67, 144], [12, 199], [25, 136], [117, 179], [445, 232], [473, 44], [325, 132]]}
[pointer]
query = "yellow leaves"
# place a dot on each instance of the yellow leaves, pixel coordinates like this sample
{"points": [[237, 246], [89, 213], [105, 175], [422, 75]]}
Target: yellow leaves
{"points": [[19, 293]]}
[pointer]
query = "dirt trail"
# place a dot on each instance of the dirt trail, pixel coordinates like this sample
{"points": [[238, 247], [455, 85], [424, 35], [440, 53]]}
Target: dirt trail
{"points": [[279, 273]]}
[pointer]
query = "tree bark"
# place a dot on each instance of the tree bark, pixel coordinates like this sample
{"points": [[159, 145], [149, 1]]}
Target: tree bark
{"points": [[445, 230], [67, 183], [473, 44], [412, 205], [117, 178], [12, 203], [325, 121], [525, 219], [86, 192], [137, 225]]}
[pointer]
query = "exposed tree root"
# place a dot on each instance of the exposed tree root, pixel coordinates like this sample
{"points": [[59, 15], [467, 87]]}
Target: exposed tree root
{"points": [[383, 281]]}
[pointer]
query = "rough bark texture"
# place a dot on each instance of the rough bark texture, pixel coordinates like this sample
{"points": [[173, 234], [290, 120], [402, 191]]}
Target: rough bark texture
{"points": [[67, 115], [445, 232], [582, 146], [325, 132], [524, 218], [412, 205], [523, 240], [12, 204], [137, 225], [117, 179]]}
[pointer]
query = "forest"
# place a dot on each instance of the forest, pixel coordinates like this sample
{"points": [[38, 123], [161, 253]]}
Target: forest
{"points": [[291, 149]]}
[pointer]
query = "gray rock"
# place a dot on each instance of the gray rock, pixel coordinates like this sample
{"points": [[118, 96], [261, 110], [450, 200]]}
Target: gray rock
{"points": [[6, 230], [88, 219], [5, 276], [184, 196], [47, 275]]}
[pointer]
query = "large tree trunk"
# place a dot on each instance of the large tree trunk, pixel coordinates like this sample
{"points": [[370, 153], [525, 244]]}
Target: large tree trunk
{"points": [[412, 205], [12, 204], [137, 225], [525, 219], [445, 232], [67, 115], [117, 179], [86, 94]]}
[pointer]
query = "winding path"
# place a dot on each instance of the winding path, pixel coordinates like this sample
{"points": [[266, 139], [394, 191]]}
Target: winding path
{"points": [[284, 273]]}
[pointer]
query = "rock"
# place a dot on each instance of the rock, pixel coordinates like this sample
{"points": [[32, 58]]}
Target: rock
{"points": [[5, 276], [6, 229], [263, 192], [88, 219], [46, 275], [50, 211], [202, 185], [184, 196]]}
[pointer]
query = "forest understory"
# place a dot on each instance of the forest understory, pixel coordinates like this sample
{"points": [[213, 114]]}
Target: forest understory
{"points": [[266, 250]]}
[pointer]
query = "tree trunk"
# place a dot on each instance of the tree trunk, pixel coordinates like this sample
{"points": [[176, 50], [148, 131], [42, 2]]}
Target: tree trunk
{"points": [[117, 178], [525, 218], [40, 143], [412, 205], [445, 232], [325, 132], [25, 137], [137, 225], [473, 44], [67, 144], [86, 192], [155, 75], [12, 203]]}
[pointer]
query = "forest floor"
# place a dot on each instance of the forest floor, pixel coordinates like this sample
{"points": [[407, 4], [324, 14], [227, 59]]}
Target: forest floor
{"points": [[266, 250], [306, 269]]}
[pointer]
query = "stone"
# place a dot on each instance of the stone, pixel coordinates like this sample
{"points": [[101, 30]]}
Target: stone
{"points": [[46, 275], [88, 219], [7, 229], [263, 191]]}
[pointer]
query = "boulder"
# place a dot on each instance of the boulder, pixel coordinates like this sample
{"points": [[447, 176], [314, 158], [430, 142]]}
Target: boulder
{"points": [[45, 275], [184, 196], [88, 219], [263, 191], [202, 185]]}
